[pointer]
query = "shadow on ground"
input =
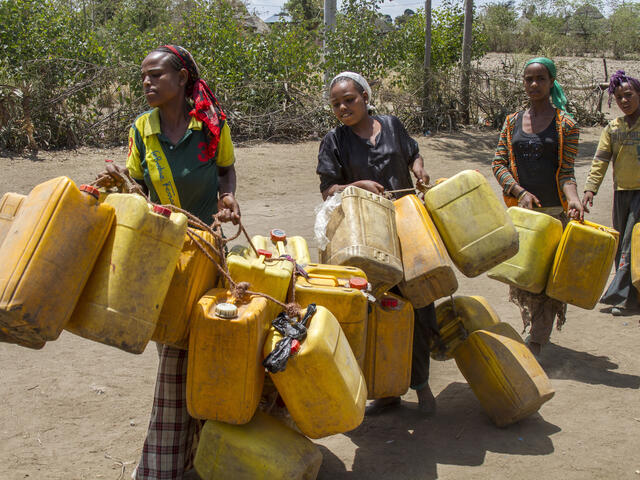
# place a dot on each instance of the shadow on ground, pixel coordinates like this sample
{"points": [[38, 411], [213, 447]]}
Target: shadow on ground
{"points": [[413, 445], [563, 363]]}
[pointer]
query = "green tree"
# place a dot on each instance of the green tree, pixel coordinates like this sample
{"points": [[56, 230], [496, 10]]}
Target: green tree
{"points": [[309, 12], [623, 30], [499, 23]]}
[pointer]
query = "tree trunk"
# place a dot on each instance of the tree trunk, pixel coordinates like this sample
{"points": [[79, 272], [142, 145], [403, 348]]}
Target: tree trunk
{"points": [[466, 60], [426, 80]]}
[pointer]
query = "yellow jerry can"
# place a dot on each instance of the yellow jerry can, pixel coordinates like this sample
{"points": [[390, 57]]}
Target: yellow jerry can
{"points": [[47, 256], [582, 264], [362, 233], [504, 375], [263, 449], [342, 291], [5, 337], [265, 274], [194, 276], [225, 373], [279, 245], [387, 368], [456, 320], [428, 273], [539, 235], [10, 204], [472, 222], [322, 384], [121, 303], [635, 256]]}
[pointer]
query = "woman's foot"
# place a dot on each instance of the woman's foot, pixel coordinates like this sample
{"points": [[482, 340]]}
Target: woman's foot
{"points": [[426, 401], [381, 405], [535, 348]]}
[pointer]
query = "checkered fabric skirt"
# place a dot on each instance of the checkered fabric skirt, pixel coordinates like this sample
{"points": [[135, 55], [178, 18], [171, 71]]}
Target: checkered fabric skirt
{"points": [[173, 434]]}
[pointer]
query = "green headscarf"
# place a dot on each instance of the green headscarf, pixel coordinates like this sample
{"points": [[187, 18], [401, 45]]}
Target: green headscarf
{"points": [[557, 94]]}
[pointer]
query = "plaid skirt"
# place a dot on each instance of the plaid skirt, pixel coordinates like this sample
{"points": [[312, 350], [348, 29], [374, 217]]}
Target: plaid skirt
{"points": [[173, 434]]}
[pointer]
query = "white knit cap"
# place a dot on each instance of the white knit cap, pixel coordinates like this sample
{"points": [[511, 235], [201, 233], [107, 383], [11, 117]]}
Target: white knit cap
{"points": [[356, 77]]}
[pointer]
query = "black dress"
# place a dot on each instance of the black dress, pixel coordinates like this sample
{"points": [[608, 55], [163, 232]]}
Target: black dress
{"points": [[345, 157]]}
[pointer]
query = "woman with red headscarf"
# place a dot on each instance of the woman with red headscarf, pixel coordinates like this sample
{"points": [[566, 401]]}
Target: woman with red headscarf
{"points": [[181, 153]]}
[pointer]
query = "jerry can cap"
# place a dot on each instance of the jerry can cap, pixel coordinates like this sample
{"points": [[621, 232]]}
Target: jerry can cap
{"points": [[295, 346], [160, 210], [91, 190], [278, 235], [389, 302], [265, 253], [358, 283], [226, 310]]}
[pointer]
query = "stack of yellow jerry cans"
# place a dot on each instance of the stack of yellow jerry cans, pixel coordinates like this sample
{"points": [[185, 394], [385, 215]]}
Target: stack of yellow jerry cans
{"points": [[570, 266], [463, 220], [500, 369], [322, 385], [48, 252]]}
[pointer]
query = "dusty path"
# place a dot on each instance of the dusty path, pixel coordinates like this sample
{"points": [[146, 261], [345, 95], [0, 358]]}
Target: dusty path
{"points": [[79, 410]]}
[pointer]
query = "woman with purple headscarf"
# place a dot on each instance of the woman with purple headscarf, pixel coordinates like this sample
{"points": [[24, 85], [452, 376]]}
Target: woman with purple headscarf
{"points": [[620, 145]]}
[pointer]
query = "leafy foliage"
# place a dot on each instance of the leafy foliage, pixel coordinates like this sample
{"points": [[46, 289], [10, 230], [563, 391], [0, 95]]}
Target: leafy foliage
{"points": [[70, 71]]}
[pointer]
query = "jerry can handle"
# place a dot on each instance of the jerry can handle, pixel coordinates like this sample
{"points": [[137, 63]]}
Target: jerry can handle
{"points": [[316, 276]]}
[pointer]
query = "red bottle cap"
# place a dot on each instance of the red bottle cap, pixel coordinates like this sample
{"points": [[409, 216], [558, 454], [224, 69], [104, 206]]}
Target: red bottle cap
{"points": [[160, 210], [358, 283], [295, 346], [389, 302], [265, 253], [91, 190], [108, 160], [278, 235]]}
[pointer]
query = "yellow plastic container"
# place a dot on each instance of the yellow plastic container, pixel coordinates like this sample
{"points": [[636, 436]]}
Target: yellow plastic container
{"points": [[635, 256], [121, 303], [457, 320], [362, 233], [194, 276], [265, 275], [263, 449], [322, 384], [279, 244], [472, 222], [342, 291], [225, 373], [47, 257], [9, 206], [6, 337], [387, 368], [582, 264], [428, 273], [504, 375], [539, 235]]}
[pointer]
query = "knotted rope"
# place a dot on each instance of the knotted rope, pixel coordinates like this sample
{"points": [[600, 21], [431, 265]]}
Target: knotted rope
{"points": [[215, 253]]}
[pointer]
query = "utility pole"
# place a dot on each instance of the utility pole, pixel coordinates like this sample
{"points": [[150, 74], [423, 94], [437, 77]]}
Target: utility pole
{"points": [[426, 80], [466, 60], [329, 26]]}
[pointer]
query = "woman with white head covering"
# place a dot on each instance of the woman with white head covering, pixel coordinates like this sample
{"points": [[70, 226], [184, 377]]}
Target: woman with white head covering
{"points": [[375, 152]]}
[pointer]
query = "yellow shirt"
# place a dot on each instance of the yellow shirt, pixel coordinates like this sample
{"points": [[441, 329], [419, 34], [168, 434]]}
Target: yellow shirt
{"points": [[621, 144]]}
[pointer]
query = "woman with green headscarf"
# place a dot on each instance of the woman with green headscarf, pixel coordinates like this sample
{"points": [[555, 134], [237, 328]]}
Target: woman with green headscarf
{"points": [[534, 166]]}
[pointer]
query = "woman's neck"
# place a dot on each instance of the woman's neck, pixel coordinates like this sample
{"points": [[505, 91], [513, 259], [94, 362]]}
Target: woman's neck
{"points": [[540, 107], [364, 128], [174, 117]]}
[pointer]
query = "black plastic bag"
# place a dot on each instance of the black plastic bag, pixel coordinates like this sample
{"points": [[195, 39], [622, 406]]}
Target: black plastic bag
{"points": [[276, 361]]}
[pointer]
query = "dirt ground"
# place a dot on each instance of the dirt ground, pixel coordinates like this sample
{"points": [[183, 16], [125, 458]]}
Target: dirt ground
{"points": [[79, 410]]}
